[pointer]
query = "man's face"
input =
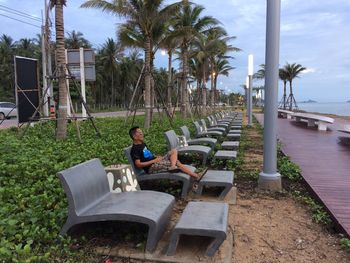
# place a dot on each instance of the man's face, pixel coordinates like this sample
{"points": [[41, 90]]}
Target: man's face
{"points": [[138, 135]]}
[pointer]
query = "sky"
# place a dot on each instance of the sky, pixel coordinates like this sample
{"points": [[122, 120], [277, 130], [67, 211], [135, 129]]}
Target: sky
{"points": [[314, 33]]}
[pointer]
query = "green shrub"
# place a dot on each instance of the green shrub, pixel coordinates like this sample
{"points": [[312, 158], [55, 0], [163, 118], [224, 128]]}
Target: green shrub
{"points": [[33, 205], [288, 169]]}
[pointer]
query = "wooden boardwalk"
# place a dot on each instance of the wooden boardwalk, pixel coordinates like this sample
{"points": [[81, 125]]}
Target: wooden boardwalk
{"points": [[325, 163]]}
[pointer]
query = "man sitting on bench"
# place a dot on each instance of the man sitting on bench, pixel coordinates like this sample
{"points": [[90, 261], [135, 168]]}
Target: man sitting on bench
{"points": [[144, 159]]}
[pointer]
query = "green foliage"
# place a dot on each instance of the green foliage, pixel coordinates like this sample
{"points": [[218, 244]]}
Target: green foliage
{"points": [[319, 214], [345, 243], [288, 169], [33, 205]]}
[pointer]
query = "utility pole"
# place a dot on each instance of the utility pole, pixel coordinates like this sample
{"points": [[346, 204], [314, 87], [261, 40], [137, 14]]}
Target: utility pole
{"points": [[269, 179], [44, 64]]}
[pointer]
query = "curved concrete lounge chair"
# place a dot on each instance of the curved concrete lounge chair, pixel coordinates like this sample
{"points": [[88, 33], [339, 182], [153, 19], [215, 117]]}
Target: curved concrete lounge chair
{"points": [[204, 140], [143, 176], [173, 143], [90, 200], [200, 132], [216, 128], [213, 123]]}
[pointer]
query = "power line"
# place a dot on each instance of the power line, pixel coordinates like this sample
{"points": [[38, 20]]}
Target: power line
{"points": [[20, 13], [20, 20]]}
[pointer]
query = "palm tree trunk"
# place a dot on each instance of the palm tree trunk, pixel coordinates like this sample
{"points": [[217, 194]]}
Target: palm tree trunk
{"points": [[212, 91], [184, 97], [170, 77], [204, 101], [147, 94], [61, 132]]}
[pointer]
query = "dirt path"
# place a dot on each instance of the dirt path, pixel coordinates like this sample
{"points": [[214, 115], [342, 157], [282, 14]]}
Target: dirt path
{"points": [[269, 229]]}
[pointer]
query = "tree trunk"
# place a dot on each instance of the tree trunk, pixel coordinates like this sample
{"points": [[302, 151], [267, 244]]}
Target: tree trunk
{"points": [[290, 95], [204, 99], [170, 77], [212, 91], [184, 95], [147, 93], [61, 132], [204, 85]]}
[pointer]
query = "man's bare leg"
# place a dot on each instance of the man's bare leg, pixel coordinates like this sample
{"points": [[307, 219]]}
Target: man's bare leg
{"points": [[173, 158], [185, 170]]}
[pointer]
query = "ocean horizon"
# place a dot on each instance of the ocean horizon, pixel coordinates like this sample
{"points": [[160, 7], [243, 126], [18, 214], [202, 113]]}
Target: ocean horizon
{"points": [[338, 108]]}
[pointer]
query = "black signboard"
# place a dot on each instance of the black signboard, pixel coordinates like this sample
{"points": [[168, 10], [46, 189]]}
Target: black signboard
{"points": [[27, 88]]}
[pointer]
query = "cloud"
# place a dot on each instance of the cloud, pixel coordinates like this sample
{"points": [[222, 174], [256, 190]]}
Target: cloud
{"points": [[309, 70]]}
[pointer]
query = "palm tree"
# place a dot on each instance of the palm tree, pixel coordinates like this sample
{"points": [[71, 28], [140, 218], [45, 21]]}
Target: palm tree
{"points": [[220, 66], [188, 24], [7, 48], [76, 40], [169, 44], [218, 36], [110, 53], [26, 47], [61, 132], [293, 71], [260, 74], [145, 19], [283, 75]]}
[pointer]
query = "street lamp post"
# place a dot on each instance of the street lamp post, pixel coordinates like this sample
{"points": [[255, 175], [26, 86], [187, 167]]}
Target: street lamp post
{"points": [[246, 90], [250, 91], [269, 179]]}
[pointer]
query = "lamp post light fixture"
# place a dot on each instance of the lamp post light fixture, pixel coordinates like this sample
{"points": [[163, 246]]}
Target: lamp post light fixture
{"points": [[250, 86], [269, 178]]}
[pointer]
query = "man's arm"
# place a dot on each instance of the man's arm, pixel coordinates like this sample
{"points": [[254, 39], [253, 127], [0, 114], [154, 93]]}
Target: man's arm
{"points": [[140, 164]]}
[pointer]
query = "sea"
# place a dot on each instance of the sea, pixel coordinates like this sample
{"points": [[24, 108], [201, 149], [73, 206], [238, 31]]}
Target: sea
{"points": [[338, 108]]}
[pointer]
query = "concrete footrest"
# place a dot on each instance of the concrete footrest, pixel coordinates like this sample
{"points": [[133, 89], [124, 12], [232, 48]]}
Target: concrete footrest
{"points": [[230, 145], [216, 178], [202, 219], [234, 131], [225, 155], [233, 137]]}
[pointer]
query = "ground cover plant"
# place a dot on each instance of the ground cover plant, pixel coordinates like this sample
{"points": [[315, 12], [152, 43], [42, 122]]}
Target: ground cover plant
{"points": [[33, 205]]}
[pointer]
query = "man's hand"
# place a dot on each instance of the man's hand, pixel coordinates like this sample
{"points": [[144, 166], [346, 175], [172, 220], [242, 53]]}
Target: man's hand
{"points": [[158, 159]]}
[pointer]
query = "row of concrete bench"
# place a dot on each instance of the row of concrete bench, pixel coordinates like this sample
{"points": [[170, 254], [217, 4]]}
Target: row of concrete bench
{"points": [[312, 120], [90, 199]]}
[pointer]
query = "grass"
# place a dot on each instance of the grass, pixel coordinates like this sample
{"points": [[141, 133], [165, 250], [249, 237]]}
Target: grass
{"points": [[33, 206]]}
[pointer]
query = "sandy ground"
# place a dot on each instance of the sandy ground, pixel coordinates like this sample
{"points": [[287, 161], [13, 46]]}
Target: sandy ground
{"points": [[267, 229]]}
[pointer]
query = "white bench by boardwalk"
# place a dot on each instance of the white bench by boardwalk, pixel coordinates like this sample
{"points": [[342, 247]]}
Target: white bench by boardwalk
{"points": [[313, 120], [285, 113]]}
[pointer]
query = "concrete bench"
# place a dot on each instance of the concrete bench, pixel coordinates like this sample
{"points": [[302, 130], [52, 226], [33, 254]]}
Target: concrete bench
{"points": [[225, 155], [143, 176], [286, 114], [202, 219], [234, 131], [313, 120], [215, 178], [230, 145], [172, 142], [90, 200], [233, 136], [198, 141]]}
